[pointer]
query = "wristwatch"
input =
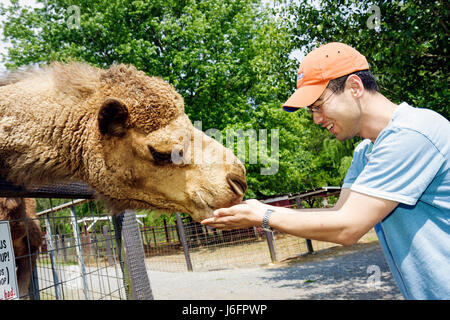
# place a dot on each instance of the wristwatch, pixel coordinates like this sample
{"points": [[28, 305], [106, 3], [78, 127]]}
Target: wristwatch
{"points": [[265, 222]]}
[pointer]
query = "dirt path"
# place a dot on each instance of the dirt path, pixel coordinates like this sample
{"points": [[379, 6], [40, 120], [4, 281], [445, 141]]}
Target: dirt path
{"points": [[358, 272]]}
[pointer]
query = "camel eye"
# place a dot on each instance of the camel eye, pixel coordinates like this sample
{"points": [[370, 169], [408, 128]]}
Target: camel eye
{"points": [[159, 157]]}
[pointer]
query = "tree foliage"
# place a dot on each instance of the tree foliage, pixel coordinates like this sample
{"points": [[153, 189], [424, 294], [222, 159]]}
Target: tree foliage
{"points": [[230, 59], [407, 52]]}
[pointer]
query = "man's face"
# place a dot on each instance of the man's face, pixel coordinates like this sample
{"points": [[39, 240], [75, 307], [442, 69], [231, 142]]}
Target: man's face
{"points": [[338, 113]]}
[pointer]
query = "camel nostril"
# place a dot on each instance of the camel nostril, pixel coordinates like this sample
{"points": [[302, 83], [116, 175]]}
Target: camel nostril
{"points": [[238, 185]]}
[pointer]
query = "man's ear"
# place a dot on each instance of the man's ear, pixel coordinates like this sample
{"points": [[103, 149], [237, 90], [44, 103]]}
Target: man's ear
{"points": [[113, 118], [356, 85]]}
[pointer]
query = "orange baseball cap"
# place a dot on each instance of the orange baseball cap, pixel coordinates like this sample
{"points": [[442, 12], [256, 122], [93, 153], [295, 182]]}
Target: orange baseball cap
{"points": [[328, 62]]}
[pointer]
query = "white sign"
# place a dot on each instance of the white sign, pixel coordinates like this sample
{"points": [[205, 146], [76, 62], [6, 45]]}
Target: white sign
{"points": [[8, 278]]}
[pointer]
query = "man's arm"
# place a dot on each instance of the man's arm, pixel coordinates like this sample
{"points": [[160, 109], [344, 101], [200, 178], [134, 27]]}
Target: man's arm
{"points": [[352, 217]]}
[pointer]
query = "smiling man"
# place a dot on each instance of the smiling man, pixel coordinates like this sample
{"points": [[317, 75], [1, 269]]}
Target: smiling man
{"points": [[398, 182]]}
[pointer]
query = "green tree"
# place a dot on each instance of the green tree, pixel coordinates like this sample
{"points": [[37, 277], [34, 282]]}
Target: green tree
{"points": [[229, 59], [407, 52]]}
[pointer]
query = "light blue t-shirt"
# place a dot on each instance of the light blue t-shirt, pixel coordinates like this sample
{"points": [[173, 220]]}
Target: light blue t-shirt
{"points": [[410, 163]]}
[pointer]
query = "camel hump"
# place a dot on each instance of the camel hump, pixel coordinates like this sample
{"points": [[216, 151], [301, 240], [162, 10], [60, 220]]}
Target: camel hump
{"points": [[75, 78]]}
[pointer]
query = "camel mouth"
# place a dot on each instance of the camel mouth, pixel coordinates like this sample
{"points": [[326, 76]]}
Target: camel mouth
{"points": [[203, 202], [237, 184]]}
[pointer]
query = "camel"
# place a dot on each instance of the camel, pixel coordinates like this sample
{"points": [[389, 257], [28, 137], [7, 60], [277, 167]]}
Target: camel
{"points": [[123, 133], [26, 235]]}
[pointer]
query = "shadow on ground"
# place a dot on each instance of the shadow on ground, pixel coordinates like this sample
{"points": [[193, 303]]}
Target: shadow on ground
{"points": [[357, 272]]}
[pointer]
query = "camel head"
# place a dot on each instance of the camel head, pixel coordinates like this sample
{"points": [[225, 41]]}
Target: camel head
{"points": [[146, 152]]}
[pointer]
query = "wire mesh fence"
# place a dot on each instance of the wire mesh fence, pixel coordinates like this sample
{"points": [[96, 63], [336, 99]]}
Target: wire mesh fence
{"points": [[209, 249], [81, 256], [212, 249], [78, 258]]}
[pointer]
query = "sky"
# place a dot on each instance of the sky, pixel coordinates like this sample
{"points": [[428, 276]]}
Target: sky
{"points": [[4, 45]]}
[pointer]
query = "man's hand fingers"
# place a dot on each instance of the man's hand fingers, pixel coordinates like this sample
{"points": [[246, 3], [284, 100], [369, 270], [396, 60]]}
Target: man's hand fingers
{"points": [[222, 223], [227, 218], [214, 224], [223, 212], [208, 221]]}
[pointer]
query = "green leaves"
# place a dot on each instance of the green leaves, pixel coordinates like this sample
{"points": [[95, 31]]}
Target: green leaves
{"points": [[408, 54], [229, 59]]}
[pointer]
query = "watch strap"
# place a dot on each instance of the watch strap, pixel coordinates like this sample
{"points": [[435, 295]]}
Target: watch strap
{"points": [[265, 222]]}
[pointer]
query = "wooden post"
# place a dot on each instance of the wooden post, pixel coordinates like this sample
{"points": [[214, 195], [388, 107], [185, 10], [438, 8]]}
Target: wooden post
{"points": [[144, 232], [309, 246], [154, 237], [184, 242]]}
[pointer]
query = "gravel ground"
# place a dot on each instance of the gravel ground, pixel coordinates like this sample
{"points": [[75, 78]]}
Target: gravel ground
{"points": [[358, 272]]}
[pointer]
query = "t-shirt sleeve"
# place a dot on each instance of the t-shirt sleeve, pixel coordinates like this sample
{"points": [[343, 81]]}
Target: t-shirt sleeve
{"points": [[358, 162], [402, 164]]}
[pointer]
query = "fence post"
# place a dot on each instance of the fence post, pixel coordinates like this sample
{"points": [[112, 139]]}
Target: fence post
{"points": [[272, 247], [166, 231], [79, 248], [308, 241], [135, 257], [117, 222], [51, 251], [309, 246], [154, 237], [108, 245], [63, 247], [34, 285], [183, 242]]}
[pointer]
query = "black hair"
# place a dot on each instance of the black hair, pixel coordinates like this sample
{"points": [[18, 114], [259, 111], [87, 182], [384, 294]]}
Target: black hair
{"points": [[338, 85]]}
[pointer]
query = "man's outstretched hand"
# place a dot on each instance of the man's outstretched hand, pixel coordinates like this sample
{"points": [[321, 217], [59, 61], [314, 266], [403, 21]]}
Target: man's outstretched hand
{"points": [[244, 215]]}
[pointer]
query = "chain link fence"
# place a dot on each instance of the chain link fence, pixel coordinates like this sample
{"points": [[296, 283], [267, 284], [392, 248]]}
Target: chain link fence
{"points": [[82, 257], [74, 251], [209, 249]]}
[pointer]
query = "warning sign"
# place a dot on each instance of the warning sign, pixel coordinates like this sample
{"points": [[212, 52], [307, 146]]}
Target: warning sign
{"points": [[8, 280]]}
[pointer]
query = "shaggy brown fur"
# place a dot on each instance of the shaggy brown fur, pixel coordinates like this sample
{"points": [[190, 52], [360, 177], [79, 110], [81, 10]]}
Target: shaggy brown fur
{"points": [[26, 235], [115, 130]]}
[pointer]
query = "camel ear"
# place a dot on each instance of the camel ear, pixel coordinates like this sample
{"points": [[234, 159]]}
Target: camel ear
{"points": [[113, 118]]}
